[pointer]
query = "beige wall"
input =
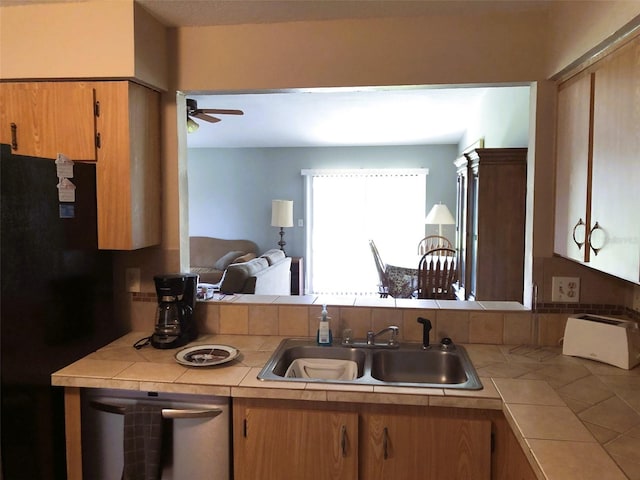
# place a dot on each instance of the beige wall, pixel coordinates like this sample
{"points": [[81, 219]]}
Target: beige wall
{"points": [[577, 27], [408, 51], [97, 39], [113, 39]]}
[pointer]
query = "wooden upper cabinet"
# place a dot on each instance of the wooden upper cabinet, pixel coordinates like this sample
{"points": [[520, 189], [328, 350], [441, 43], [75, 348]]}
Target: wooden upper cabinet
{"points": [[42, 119], [572, 170], [615, 222], [128, 169]]}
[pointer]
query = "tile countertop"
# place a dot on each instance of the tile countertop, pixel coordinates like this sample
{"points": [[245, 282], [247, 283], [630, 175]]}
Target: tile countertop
{"points": [[575, 418]]}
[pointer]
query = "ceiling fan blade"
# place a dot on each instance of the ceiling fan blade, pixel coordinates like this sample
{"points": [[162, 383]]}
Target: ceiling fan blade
{"points": [[222, 111], [206, 118]]}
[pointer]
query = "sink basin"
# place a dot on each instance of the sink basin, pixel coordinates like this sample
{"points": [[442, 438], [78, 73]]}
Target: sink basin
{"points": [[406, 365], [297, 350], [418, 366]]}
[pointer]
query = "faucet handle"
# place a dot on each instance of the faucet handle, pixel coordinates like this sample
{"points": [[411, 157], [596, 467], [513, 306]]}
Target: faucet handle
{"points": [[347, 335], [393, 340]]}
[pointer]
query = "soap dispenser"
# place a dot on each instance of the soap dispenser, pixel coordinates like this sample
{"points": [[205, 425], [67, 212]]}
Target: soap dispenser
{"points": [[324, 335]]}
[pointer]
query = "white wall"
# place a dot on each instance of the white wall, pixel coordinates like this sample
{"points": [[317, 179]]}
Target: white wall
{"points": [[502, 119]]}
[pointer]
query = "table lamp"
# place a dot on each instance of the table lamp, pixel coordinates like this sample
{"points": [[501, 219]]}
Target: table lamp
{"points": [[440, 215], [282, 216]]}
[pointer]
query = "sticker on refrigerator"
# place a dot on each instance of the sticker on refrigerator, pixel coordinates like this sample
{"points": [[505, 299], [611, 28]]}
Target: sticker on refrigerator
{"points": [[67, 210], [64, 166], [66, 190]]}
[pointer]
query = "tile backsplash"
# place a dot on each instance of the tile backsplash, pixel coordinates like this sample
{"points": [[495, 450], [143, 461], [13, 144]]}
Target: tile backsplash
{"points": [[482, 323]]}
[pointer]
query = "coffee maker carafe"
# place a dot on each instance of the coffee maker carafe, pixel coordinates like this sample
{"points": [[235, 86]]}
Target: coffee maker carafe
{"points": [[175, 325]]}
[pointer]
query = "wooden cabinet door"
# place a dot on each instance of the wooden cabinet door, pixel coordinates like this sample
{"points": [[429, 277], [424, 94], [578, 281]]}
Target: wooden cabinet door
{"points": [[402, 443], [279, 441], [509, 460], [616, 171], [48, 118], [128, 170], [572, 168]]}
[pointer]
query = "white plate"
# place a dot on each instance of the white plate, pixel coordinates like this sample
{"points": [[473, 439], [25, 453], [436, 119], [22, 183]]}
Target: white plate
{"points": [[206, 355]]}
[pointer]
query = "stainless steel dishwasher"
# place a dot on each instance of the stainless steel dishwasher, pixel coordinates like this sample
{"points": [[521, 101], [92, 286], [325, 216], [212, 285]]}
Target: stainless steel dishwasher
{"points": [[195, 434]]}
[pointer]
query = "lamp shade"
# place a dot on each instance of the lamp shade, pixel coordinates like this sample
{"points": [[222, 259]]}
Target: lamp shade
{"points": [[440, 215], [282, 213]]}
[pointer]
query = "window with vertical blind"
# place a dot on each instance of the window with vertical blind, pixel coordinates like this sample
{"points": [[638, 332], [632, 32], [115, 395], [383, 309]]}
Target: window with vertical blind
{"points": [[347, 208]]}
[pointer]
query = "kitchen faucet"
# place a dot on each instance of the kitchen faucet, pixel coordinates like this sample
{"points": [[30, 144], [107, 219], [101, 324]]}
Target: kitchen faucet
{"points": [[393, 340]]}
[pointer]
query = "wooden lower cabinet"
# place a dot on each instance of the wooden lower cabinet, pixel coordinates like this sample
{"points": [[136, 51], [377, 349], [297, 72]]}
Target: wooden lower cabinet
{"points": [[288, 439], [407, 443], [276, 440], [509, 461]]}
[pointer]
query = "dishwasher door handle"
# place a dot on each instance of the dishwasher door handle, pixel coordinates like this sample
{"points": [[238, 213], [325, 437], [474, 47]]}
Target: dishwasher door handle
{"points": [[170, 413]]}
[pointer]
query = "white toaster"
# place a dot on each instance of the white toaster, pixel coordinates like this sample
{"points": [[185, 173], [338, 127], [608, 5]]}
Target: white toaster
{"points": [[605, 339]]}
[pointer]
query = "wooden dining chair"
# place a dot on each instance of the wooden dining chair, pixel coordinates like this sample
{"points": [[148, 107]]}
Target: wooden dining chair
{"points": [[437, 272], [383, 286], [433, 241]]}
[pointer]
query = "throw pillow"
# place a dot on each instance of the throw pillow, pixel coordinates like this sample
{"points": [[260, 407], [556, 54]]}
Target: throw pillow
{"points": [[273, 256], [223, 262], [244, 258]]}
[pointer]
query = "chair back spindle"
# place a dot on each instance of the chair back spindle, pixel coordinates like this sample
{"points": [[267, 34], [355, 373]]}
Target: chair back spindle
{"points": [[433, 241], [437, 272]]}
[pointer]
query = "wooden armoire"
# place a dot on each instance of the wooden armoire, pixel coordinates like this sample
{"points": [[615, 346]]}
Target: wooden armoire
{"points": [[490, 223]]}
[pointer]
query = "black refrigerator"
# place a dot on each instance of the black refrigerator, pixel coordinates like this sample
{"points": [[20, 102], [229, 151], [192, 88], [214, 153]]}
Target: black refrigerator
{"points": [[56, 306]]}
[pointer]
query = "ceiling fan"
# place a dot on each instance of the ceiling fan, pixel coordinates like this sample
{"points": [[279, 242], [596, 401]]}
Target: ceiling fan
{"points": [[202, 114]]}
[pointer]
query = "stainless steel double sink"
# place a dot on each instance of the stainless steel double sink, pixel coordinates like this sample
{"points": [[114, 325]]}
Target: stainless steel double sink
{"points": [[406, 364]]}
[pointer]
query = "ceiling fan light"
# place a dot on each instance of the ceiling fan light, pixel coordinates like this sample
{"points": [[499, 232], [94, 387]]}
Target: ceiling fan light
{"points": [[192, 126]]}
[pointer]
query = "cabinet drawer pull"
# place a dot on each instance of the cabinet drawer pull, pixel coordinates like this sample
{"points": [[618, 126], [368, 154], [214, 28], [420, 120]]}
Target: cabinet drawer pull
{"points": [[170, 413], [593, 230], [343, 440], [14, 136], [575, 228], [385, 443]]}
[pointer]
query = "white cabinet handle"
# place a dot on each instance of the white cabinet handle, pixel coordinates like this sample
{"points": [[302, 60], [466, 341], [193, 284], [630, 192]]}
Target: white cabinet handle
{"points": [[595, 228], [573, 234]]}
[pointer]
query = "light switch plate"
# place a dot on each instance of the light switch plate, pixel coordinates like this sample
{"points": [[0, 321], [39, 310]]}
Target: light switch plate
{"points": [[565, 289]]}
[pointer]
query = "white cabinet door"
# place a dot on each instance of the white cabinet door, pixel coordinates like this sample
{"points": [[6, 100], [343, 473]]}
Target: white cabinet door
{"points": [[573, 134], [616, 165]]}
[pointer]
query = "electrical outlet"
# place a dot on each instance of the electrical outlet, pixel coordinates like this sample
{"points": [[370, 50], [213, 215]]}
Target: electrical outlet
{"points": [[132, 279], [565, 289]]}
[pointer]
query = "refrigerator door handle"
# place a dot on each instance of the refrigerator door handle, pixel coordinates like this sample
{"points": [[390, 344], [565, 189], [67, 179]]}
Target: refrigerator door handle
{"points": [[169, 413]]}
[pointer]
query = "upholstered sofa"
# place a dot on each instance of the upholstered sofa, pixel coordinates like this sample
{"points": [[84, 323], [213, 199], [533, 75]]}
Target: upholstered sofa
{"points": [[268, 274], [209, 257], [233, 265]]}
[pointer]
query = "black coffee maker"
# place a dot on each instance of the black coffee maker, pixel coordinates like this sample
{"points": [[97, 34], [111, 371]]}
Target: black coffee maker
{"points": [[175, 325]]}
